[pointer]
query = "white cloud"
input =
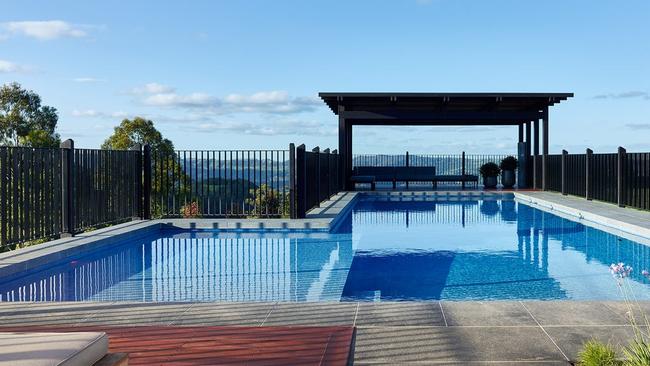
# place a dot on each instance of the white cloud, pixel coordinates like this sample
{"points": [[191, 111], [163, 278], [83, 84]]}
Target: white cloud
{"points": [[88, 80], [194, 100], [281, 127], [272, 102], [271, 97], [91, 113], [7, 67], [43, 29], [638, 126], [152, 88], [85, 113], [625, 95]]}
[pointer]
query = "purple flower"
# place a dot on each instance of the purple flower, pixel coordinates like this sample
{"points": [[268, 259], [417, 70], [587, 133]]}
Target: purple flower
{"points": [[620, 270]]}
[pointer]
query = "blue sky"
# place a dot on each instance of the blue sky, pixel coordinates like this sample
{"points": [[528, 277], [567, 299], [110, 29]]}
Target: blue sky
{"points": [[245, 74]]}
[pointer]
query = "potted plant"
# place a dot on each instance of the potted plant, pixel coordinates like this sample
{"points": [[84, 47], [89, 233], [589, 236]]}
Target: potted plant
{"points": [[490, 171], [508, 166]]}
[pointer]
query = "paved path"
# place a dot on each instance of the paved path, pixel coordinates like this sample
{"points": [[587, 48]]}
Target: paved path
{"points": [[521, 332]]}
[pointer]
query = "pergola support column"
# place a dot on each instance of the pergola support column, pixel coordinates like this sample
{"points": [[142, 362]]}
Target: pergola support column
{"points": [[535, 153], [545, 149], [343, 150]]}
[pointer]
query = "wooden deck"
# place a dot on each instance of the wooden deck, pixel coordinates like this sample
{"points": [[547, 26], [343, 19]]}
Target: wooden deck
{"points": [[222, 345]]}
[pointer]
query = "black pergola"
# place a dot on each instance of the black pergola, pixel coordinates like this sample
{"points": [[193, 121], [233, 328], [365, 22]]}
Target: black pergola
{"points": [[525, 110]]}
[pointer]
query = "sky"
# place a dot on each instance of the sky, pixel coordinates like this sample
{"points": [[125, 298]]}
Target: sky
{"points": [[246, 74]]}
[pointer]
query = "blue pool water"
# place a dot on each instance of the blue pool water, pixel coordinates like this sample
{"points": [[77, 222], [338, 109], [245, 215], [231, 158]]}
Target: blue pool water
{"points": [[493, 249]]}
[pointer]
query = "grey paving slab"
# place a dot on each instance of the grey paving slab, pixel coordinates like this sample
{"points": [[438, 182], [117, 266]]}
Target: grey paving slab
{"points": [[138, 314], [400, 314], [215, 314], [637, 311], [486, 313], [46, 313], [549, 313], [572, 339], [454, 344], [312, 314]]}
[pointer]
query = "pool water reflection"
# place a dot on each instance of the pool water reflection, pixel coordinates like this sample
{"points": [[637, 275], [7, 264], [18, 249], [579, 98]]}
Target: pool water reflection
{"points": [[382, 251]]}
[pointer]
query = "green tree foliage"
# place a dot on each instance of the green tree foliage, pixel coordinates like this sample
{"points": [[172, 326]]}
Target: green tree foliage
{"points": [[138, 131], [24, 121], [167, 173], [265, 200]]}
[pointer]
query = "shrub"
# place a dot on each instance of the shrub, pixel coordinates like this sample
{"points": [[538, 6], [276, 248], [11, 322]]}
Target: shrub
{"points": [[191, 210], [267, 201], [489, 170], [638, 352], [509, 163], [595, 353]]}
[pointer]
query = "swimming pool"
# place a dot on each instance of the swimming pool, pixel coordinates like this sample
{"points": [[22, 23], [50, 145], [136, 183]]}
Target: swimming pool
{"points": [[383, 249]]}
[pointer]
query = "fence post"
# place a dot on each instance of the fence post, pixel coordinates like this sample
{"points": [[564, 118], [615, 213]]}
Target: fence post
{"points": [[146, 186], [301, 182], [407, 164], [292, 180], [327, 172], [620, 181], [563, 174], [316, 151], [137, 148], [67, 188], [462, 168], [588, 173], [4, 222], [336, 170]]}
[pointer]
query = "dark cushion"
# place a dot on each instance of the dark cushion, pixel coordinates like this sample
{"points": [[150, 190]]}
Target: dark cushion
{"points": [[363, 178], [415, 173], [456, 178], [381, 173]]}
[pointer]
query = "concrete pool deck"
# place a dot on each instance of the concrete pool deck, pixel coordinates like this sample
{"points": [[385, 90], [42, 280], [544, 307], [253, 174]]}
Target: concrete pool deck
{"points": [[498, 332]]}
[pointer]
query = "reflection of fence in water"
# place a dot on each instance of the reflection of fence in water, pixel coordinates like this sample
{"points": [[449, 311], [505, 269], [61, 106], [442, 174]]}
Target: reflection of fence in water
{"points": [[232, 270], [438, 213], [79, 281]]}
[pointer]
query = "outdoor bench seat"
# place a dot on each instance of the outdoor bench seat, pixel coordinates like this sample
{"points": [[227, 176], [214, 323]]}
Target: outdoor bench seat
{"points": [[414, 174], [368, 174], [463, 178]]}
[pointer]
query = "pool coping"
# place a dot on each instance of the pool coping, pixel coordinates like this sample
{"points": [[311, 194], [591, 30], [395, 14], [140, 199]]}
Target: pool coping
{"points": [[604, 216]]}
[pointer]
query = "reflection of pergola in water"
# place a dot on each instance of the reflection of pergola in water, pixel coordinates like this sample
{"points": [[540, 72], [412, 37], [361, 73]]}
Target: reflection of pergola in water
{"points": [[525, 110]]}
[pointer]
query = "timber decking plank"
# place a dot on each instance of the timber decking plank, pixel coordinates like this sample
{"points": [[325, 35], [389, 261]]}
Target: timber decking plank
{"points": [[222, 344]]}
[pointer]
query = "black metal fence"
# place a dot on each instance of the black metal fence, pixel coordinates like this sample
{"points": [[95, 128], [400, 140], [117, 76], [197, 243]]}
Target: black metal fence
{"points": [[30, 194], [449, 164], [316, 178], [106, 187], [220, 183], [45, 193], [622, 178]]}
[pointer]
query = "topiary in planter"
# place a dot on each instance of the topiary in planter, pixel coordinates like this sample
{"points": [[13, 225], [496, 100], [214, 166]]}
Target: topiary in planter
{"points": [[489, 171], [508, 166], [509, 163]]}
